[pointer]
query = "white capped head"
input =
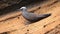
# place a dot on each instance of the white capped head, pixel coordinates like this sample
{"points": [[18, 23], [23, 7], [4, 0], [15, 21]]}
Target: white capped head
{"points": [[23, 8]]}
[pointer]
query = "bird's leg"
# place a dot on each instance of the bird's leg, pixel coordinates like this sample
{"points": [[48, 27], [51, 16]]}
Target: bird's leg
{"points": [[27, 22]]}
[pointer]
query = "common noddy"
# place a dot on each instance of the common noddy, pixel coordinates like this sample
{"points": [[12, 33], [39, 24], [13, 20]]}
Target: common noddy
{"points": [[32, 17]]}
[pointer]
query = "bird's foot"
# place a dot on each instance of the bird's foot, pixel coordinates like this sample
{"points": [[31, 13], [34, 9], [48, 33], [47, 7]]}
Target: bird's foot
{"points": [[27, 23]]}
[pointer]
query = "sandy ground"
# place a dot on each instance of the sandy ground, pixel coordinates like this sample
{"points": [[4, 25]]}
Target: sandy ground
{"points": [[13, 23]]}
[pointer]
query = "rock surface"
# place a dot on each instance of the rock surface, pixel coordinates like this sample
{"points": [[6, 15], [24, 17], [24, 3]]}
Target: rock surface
{"points": [[13, 23]]}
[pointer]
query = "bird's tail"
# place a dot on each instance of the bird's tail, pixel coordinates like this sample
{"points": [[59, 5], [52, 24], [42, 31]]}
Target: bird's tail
{"points": [[44, 15]]}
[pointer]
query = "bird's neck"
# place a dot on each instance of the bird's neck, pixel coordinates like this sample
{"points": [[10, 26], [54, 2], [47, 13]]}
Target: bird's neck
{"points": [[25, 11]]}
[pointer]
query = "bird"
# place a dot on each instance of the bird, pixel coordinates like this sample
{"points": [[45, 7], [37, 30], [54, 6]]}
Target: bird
{"points": [[32, 17]]}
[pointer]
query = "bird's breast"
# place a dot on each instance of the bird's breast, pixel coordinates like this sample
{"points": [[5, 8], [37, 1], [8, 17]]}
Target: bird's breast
{"points": [[26, 15]]}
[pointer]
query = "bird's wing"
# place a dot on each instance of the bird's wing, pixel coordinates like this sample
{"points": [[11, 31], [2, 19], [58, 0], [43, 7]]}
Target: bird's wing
{"points": [[32, 16]]}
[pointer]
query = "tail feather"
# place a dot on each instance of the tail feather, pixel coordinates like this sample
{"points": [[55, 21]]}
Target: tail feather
{"points": [[44, 15]]}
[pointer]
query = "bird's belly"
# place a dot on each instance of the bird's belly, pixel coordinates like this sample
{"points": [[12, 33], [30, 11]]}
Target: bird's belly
{"points": [[26, 16], [30, 18]]}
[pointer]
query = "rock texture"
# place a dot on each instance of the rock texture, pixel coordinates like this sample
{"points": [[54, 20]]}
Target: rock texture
{"points": [[5, 3], [13, 23], [7, 6]]}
